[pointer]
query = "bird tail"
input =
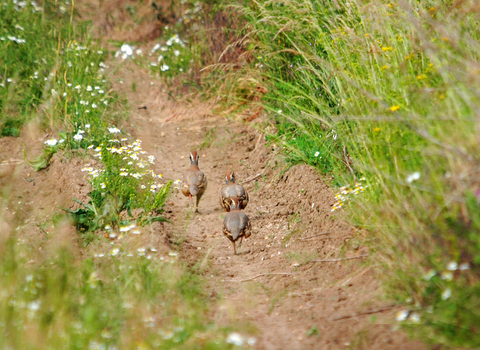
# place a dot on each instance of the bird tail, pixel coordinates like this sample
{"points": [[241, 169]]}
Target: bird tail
{"points": [[193, 190]]}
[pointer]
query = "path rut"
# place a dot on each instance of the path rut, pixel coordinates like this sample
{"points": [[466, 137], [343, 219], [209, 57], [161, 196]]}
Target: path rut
{"points": [[271, 289]]}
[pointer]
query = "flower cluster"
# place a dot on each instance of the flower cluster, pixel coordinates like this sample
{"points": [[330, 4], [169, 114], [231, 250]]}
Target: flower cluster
{"points": [[345, 193]]}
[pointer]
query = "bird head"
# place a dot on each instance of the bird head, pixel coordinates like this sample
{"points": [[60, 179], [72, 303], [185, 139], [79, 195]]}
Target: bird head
{"points": [[230, 177], [235, 203], [194, 158]]}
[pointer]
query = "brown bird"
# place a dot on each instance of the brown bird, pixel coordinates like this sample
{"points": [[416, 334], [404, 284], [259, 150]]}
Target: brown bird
{"points": [[194, 181], [232, 190], [236, 224]]}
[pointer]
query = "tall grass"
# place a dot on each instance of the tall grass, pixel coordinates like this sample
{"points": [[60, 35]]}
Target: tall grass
{"points": [[113, 292], [388, 91]]}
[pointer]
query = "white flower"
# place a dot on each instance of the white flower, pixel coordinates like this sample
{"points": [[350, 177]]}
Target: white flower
{"points": [[164, 68], [279, 111], [176, 52], [236, 339], [447, 293], [464, 266], [447, 276], [51, 142], [103, 185], [452, 266], [89, 88], [139, 52], [317, 154], [160, 58], [114, 130], [114, 251], [429, 275], [414, 317], [156, 47], [78, 137], [94, 105], [125, 228], [87, 126], [127, 49], [401, 315], [413, 177]]}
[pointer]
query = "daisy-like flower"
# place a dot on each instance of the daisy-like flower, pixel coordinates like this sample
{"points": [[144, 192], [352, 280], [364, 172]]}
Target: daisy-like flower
{"points": [[114, 130], [103, 185], [94, 105], [452, 266], [414, 317], [51, 142], [127, 50], [87, 126], [125, 228], [89, 88], [447, 293], [401, 315], [176, 52], [429, 275], [156, 47], [114, 251], [413, 177], [78, 137], [317, 154], [464, 266], [164, 68], [447, 276]]}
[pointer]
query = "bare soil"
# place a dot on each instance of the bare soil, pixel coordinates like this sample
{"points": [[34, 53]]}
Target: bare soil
{"points": [[272, 289]]}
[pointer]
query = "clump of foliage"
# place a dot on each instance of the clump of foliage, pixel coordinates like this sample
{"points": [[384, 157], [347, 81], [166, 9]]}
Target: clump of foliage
{"points": [[387, 91]]}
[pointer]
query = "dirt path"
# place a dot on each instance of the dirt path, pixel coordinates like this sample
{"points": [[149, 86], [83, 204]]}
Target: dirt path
{"points": [[270, 288]]}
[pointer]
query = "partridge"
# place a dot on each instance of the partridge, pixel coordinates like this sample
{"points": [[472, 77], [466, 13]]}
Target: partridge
{"points": [[194, 181], [232, 190], [236, 224]]}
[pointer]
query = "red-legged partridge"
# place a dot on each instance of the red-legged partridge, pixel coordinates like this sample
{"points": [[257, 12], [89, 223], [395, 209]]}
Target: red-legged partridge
{"points": [[236, 224], [232, 190], [194, 181]]}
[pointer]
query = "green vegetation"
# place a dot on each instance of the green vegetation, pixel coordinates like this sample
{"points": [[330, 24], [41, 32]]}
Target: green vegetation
{"points": [[52, 71], [388, 92], [111, 292], [138, 299]]}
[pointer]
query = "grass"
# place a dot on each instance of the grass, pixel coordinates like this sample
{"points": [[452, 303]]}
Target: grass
{"points": [[102, 289], [386, 92]]}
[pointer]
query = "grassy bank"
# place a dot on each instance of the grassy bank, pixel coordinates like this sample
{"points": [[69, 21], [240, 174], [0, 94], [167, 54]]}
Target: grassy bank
{"points": [[387, 91], [90, 288]]}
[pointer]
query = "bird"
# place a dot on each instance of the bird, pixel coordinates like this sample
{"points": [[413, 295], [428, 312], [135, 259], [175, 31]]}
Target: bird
{"points": [[194, 181], [236, 224], [231, 189]]}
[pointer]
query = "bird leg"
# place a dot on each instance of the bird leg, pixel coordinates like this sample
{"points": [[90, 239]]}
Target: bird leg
{"points": [[191, 199], [234, 248], [241, 241]]}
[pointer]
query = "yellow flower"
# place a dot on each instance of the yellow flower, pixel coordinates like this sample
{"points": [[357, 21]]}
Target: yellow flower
{"points": [[394, 108], [385, 67], [386, 48], [421, 76], [376, 130]]}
